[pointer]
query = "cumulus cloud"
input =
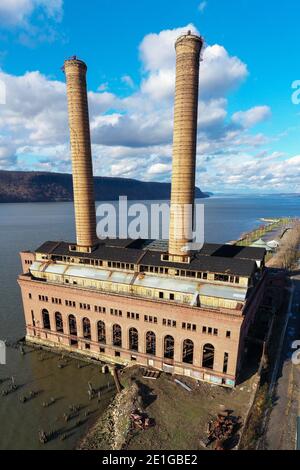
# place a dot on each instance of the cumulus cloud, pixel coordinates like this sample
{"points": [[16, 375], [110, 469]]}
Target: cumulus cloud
{"points": [[159, 169], [31, 21], [132, 135], [252, 116], [18, 12], [243, 171]]}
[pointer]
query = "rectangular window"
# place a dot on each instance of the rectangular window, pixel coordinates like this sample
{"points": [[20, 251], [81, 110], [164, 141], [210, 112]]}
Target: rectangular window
{"points": [[204, 329], [30, 296], [215, 331], [209, 330], [228, 334], [172, 296], [225, 364], [161, 295]]}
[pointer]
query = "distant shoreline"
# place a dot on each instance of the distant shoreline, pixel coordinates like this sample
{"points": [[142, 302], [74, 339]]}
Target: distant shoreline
{"points": [[31, 187]]}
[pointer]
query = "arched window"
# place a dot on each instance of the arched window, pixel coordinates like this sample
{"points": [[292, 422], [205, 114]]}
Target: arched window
{"points": [[133, 339], [208, 356], [101, 332], [59, 322], [150, 343], [46, 319], [117, 336], [169, 347], [72, 325], [86, 327], [188, 351]]}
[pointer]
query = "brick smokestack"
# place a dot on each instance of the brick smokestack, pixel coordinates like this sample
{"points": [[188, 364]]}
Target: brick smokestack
{"points": [[82, 169], [188, 48]]}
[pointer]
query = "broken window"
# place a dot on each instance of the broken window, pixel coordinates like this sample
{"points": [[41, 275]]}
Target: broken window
{"points": [[225, 364], [59, 322], [117, 336], [72, 325], [101, 332], [208, 356], [133, 339], [188, 351], [169, 347], [46, 319], [86, 326], [150, 343]]}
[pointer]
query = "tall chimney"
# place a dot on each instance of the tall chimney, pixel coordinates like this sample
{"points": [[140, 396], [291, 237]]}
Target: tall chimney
{"points": [[82, 169], [188, 48]]}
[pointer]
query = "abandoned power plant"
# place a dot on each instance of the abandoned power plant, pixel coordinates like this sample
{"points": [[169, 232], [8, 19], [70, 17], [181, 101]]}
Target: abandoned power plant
{"points": [[155, 303]]}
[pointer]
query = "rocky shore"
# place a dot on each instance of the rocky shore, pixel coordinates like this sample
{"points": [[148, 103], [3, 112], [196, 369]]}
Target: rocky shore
{"points": [[111, 431]]}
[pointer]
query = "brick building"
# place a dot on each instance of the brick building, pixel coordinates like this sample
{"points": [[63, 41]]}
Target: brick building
{"points": [[163, 304]]}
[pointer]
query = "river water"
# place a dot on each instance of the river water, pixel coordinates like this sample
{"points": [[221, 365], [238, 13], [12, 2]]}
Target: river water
{"points": [[26, 226]]}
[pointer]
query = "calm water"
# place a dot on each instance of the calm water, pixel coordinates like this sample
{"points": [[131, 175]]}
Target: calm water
{"points": [[26, 226]]}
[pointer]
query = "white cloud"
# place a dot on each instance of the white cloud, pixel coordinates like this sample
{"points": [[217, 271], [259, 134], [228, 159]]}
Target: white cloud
{"points": [[159, 169], [17, 12], [202, 6], [252, 116], [220, 73], [128, 81]]}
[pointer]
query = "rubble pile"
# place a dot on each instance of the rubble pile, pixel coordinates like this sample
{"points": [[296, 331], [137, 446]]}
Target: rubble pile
{"points": [[221, 430], [141, 420]]}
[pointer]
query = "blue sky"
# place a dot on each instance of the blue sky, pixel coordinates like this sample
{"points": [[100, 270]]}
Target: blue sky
{"points": [[248, 126]]}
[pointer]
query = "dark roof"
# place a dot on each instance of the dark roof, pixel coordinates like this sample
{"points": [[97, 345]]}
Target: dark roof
{"points": [[229, 259], [233, 251]]}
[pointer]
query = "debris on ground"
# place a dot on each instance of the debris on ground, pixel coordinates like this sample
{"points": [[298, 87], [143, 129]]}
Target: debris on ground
{"points": [[183, 385], [123, 416], [221, 430], [141, 420], [150, 374]]}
